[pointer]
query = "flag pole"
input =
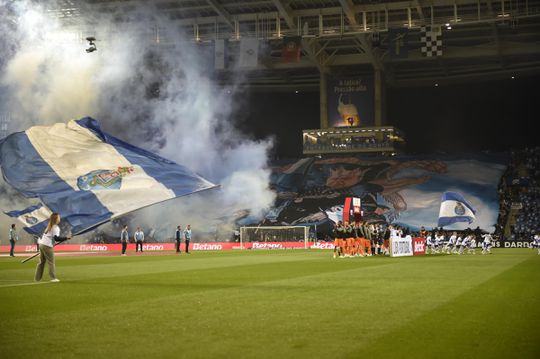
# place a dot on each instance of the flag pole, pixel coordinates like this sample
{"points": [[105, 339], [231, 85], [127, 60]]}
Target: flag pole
{"points": [[31, 257], [36, 254]]}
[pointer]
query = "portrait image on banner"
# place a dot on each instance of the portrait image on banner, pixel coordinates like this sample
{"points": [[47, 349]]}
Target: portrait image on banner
{"points": [[351, 101]]}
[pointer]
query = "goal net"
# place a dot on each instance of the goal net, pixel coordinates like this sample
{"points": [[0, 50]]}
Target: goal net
{"points": [[275, 234]]}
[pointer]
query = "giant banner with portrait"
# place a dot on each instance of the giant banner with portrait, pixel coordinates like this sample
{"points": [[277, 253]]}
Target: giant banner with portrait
{"points": [[403, 190]]}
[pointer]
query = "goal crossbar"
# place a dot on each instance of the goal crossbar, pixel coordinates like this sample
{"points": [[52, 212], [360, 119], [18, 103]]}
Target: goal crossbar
{"points": [[274, 234]]}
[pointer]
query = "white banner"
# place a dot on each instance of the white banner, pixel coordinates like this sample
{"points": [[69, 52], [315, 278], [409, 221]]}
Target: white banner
{"points": [[249, 52], [401, 247]]}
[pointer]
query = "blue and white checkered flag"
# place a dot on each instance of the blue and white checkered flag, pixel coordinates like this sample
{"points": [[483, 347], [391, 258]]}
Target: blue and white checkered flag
{"points": [[87, 175], [454, 208]]}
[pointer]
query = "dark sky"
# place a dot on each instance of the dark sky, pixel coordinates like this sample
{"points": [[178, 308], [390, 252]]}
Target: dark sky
{"points": [[492, 115]]}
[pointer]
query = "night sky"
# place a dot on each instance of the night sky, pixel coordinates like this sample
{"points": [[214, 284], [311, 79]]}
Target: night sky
{"points": [[496, 115]]}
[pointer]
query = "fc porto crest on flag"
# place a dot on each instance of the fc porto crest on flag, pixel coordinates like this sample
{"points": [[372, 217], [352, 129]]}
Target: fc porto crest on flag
{"points": [[30, 220], [103, 179], [459, 209]]}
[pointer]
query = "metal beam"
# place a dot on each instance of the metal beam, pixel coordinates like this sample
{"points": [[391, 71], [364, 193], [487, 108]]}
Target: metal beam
{"points": [[316, 53], [419, 9], [286, 12], [348, 9], [478, 39], [289, 15], [312, 47], [476, 76], [284, 7], [223, 14], [510, 49], [370, 52], [495, 32]]}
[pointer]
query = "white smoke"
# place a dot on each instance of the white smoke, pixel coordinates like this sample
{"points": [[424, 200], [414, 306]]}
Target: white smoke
{"points": [[154, 91], [48, 77]]}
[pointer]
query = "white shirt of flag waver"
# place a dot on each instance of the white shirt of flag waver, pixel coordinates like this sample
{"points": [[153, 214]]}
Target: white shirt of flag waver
{"points": [[454, 208], [47, 239], [87, 176]]}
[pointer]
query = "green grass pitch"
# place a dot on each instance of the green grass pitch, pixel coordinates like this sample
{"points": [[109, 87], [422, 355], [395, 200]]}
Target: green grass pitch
{"points": [[274, 304]]}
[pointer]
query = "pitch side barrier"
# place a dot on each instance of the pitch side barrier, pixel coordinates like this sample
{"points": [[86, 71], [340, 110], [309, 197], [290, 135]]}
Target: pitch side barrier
{"points": [[407, 246], [513, 244], [399, 247], [207, 246]]}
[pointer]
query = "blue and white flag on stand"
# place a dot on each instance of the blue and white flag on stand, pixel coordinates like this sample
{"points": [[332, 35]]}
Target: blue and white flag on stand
{"points": [[454, 208], [89, 176]]}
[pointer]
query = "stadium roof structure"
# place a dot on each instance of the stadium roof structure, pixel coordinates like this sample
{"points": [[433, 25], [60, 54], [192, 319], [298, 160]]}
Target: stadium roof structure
{"points": [[482, 39]]}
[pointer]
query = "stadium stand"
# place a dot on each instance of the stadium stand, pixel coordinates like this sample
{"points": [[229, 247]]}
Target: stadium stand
{"points": [[519, 194]]}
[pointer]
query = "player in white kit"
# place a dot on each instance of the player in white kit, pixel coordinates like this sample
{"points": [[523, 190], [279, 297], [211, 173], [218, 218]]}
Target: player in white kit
{"points": [[486, 244]]}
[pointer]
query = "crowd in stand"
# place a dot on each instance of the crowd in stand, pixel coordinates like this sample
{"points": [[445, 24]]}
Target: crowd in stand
{"points": [[528, 221], [519, 188]]}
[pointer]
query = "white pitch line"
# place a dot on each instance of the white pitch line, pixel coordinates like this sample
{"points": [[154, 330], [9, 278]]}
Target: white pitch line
{"points": [[22, 284]]}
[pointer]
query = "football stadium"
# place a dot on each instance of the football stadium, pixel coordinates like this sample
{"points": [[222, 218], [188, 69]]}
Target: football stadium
{"points": [[269, 179]]}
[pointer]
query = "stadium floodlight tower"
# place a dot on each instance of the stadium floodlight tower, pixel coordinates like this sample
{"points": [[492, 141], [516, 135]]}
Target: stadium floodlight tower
{"points": [[271, 234]]}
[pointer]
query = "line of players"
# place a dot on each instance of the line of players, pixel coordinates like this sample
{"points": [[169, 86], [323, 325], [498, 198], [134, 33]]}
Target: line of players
{"points": [[359, 239], [456, 244]]}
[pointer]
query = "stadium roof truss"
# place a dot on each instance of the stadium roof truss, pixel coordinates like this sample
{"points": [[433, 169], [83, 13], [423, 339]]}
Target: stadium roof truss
{"points": [[482, 39]]}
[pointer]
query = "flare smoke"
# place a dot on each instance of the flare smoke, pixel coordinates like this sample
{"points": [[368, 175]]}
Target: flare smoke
{"points": [[147, 83]]}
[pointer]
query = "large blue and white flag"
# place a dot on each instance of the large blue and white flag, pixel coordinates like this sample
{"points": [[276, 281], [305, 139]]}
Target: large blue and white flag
{"points": [[454, 208], [87, 175]]}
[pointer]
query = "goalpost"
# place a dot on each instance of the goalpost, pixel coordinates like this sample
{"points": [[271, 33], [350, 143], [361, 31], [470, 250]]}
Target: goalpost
{"points": [[274, 234]]}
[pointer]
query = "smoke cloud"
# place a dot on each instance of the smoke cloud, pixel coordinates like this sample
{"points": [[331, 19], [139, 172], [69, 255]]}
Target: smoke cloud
{"points": [[148, 84]]}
